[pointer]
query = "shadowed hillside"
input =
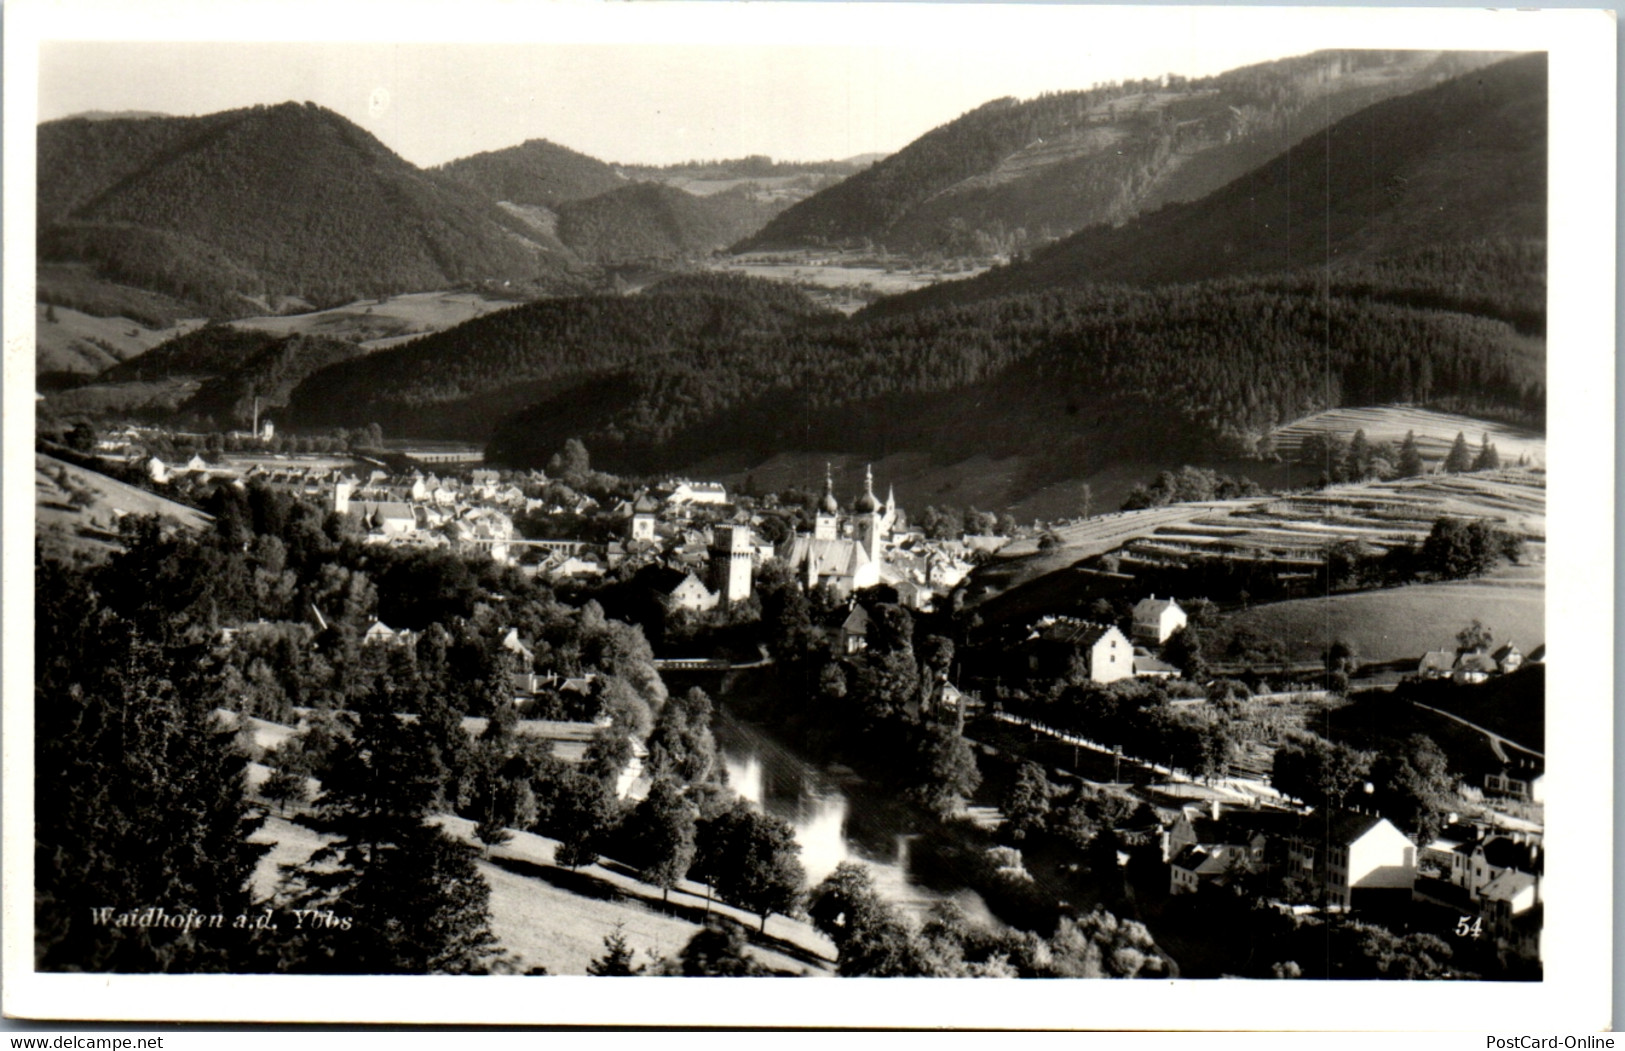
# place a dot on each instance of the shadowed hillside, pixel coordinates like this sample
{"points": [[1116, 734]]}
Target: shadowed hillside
{"points": [[254, 209]]}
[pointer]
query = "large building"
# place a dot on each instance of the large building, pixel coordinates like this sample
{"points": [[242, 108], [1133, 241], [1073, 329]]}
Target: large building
{"points": [[1352, 856], [843, 560], [1063, 647]]}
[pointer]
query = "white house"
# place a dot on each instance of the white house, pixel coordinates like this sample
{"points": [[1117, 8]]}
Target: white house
{"points": [[690, 594], [1155, 620], [1363, 853], [1061, 646]]}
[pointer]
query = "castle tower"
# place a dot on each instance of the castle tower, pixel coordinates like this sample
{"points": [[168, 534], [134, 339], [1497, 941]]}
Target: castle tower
{"points": [[731, 562], [866, 517], [827, 520]]}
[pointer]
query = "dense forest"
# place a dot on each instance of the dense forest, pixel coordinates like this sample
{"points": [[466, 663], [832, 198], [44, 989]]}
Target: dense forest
{"points": [[280, 202], [535, 172], [647, 221], [453, 382], [1464, 161], [269, 373], [1050, 165], [1215, 364]]}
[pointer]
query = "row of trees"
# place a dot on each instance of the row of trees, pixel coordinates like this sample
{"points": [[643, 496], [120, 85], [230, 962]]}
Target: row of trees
{"points": [[1357, 459]]}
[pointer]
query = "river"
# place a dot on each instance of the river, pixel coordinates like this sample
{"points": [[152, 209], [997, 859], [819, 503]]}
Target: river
{"points": [[836, 815]]}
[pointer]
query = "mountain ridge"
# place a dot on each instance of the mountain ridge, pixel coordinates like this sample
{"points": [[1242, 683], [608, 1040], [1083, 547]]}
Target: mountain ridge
{"points": [[1011, 173], [288, 201]]}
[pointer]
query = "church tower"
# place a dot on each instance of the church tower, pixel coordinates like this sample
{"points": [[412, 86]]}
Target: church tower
{"points": [[866, 518], [827, 521]]}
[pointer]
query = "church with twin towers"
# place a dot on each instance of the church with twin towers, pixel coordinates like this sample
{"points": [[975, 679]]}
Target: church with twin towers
{"points": [[844, 551]]}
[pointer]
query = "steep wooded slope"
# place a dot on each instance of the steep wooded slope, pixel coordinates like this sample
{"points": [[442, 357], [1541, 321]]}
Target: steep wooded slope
{"points": [[1463, 163], [268, 204], [1010, 174], [456, 383], [647, 221]]}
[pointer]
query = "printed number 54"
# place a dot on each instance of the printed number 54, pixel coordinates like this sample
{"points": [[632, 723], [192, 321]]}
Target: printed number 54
{"points": [[1469, 929]]}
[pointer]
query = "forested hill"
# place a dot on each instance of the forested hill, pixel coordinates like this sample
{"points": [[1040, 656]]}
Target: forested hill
{"points": [[456, 383], [1460, 163], [535, 172], [1010, 174], [647, 221], [238, 212], [1072, 380], [235, 366], [269, 373]]}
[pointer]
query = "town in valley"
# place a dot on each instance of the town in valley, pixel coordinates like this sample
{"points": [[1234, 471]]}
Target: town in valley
{"points": [[1001, 556]]}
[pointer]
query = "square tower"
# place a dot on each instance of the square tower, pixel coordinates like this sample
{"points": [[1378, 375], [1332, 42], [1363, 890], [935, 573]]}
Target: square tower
{"points": [[731, 554]]}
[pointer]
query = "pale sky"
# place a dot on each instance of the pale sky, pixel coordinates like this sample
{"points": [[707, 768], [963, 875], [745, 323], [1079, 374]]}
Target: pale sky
{"points": [[674, 81]]}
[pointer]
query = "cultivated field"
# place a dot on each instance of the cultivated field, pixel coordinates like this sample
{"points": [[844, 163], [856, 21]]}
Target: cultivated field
{"points": [[78, 342], [1290, 532], [1435, 432], [1401, 623], [385, 322]]}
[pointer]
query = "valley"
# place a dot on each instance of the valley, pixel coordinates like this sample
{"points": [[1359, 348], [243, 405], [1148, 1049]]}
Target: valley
{"points": [[1052, 548]]}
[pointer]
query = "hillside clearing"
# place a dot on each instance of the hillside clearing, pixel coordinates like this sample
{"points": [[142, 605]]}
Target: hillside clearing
{"points": [[1435, 432], [1401, 623], [77, 511], [81, 343], [382, 322]]}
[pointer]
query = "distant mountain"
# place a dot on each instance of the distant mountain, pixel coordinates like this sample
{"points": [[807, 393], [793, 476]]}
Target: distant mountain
{"points": [[1393, 186], [756, 166], [646, 221], [123, 114], [1009, 174], [536, 172], [237, 211]]}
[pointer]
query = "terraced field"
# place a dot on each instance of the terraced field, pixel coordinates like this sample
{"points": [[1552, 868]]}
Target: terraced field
{"points": [[1289, 532]]}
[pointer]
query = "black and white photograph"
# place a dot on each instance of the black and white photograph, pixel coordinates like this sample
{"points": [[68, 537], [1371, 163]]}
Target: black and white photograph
{"points": [[879, 491]]}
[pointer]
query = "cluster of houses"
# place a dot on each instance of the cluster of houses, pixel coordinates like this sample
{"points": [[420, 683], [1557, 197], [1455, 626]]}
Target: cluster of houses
{"points": [[847, 550], [1474, 880], [1475, 664], [1101, 653]]}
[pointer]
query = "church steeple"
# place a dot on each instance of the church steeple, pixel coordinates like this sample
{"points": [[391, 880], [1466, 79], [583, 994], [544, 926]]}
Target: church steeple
{"points": [[866, 517], [827, 520], [867, 504]]}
